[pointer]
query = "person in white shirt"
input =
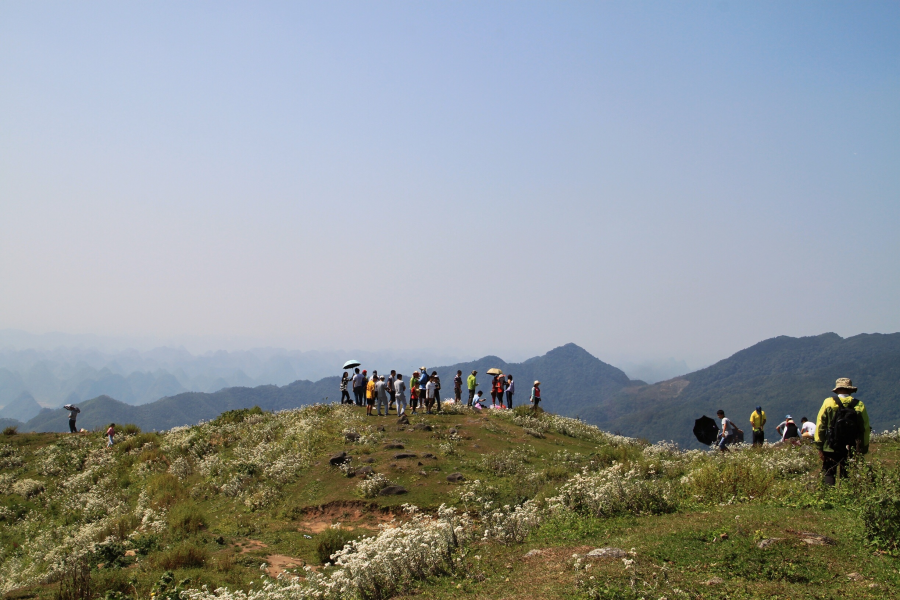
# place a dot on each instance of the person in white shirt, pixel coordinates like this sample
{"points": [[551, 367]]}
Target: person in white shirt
{"points": [[400, 394], [728, 434], [429, 396], [807, 429]]}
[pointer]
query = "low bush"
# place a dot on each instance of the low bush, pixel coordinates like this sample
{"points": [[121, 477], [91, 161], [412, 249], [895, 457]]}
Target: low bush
{"points": [[330, 541], [11, 430], [237, 416], [129, 429], [182, 556], [186, 518]]}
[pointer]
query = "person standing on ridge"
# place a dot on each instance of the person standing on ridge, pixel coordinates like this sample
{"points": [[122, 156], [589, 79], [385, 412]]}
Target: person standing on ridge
{"points": [[400, 394], [842, 428], [390, 388], [457, 387], [429, 396], [536, 396], [423, 381], [494, 391], [758, 422], [345, 395], [414, 391], [370, 393], [110, 435], [472, 383], [510, 390], [73, 414], [359, 386], [381, 395], [437, 390]]}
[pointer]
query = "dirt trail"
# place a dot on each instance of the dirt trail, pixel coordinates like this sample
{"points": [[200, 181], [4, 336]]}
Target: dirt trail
{"points": [[349, 514]]}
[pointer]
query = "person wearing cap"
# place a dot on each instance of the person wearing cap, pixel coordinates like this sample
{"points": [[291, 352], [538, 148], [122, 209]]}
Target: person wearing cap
{"points": [[472, 383], [788, 429], [536, 395], [758, 422], [842, 428]]}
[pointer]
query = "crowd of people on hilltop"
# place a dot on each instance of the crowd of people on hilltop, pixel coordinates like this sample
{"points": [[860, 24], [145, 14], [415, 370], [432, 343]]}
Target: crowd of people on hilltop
{"points": [[841, 430], [379, 392]]}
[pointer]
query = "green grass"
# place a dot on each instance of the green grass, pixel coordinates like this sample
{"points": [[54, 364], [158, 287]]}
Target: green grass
{"points": [[215, 502]]}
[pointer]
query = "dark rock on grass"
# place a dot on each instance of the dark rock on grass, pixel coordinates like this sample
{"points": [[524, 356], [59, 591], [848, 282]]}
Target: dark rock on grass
{"points": [[381, 428], [768, 543], [365, 471], [429, 455], [393, 446], [351, 473], [423, 427], [403, 420], [369, 460], [392, 490], [456, 477], [400, 455], [351, 436], [338, 459], [452, 431]]}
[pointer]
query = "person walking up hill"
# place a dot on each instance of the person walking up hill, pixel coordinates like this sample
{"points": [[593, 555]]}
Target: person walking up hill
{"points": [[842, 429]]}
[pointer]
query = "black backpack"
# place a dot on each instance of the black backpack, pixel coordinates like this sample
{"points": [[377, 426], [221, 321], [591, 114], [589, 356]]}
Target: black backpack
{"points": [[846, 426]]}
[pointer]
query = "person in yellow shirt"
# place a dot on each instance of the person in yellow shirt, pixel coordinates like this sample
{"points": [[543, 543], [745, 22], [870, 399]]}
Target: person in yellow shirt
{"points": [[370, 393], [758, 421]]}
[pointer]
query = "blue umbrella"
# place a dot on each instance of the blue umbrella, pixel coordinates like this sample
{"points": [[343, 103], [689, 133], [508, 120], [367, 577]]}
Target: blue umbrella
{"points": [[351, 363]]}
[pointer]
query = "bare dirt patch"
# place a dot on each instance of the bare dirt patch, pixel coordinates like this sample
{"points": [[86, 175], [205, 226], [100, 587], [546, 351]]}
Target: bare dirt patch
{"points": [[247, 546], [279, 563], [349, 514]]}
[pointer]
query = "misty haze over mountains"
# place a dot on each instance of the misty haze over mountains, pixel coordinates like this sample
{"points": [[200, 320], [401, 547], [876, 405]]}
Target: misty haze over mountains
{"points": [[54, 369]]}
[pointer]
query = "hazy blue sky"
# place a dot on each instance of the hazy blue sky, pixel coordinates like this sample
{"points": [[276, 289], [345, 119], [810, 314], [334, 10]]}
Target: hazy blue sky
{"points": [[644, 179]]}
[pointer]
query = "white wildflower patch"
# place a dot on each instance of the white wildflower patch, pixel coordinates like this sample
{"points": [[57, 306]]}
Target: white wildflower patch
{"points": [[371, 485], [614, 491], [28, 487]]}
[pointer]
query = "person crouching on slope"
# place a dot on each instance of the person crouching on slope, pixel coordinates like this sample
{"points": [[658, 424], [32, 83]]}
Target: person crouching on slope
{"points": [[842, 428]]}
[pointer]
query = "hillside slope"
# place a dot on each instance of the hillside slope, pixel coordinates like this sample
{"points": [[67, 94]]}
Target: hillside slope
{"points": [[783, 374], [490, 504]]}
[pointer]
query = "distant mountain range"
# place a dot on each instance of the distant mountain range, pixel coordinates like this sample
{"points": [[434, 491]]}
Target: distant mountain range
{"points": [[782, 374]]}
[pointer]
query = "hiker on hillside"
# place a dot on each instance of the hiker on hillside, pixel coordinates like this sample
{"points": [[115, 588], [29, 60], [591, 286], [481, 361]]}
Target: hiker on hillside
{"points": [[842, 429], [472, 383], [510, 390], [807, 429], [345, 395], [414, 391], [429, 395], [359, 386], [437, 389], [110, 434], [392, 393], [457, 387], [423, 381], [536, 395], [73, 414], [788, 429], [494, 386], [728, 435], [370, 393], [381, 395], [758, 422], [400, 394]]}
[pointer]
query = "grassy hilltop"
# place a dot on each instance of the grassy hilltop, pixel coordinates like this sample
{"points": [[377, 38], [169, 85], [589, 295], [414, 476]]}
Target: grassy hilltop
{"points": [[486, 505]]}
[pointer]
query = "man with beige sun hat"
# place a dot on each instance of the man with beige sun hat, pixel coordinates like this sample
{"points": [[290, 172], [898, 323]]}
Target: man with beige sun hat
{"points": [[842, 428]]}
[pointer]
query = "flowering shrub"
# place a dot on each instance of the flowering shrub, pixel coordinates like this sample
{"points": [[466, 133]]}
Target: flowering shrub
{"points": [[614, 491], [28, 487], [371, 485], [885, 436]]}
